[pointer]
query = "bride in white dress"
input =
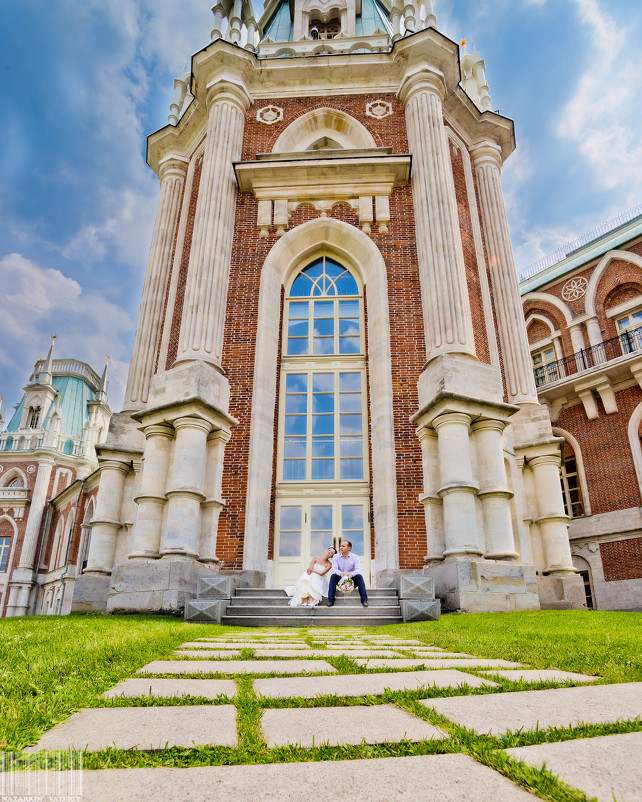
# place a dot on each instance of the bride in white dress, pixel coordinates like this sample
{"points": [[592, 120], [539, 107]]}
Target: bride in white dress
{"points": [[312, 586]]}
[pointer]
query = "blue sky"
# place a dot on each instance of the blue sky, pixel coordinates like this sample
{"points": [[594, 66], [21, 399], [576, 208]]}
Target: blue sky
{"points": [[84, 82]]}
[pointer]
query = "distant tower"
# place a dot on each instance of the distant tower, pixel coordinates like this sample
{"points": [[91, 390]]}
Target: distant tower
{"points": [[47, 447], [330, 341]]}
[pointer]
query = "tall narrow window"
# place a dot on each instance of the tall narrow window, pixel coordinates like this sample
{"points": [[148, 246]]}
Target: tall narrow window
{"points": [[545, 366], [571, 490], [34, 417], [5, 548], [629, 329]]}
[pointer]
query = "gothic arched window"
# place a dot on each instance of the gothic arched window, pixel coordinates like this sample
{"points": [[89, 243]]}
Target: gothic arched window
{"points": [[34, 417], [322, 481]]}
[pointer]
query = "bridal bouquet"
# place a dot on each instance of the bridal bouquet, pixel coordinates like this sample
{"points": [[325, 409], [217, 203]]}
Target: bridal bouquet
{"points": [[345, 585]]}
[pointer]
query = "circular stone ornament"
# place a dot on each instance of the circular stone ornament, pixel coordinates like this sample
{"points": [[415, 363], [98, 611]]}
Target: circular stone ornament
{"points": [[269, 115], [31, 469], [379, 109], [574, 288]]}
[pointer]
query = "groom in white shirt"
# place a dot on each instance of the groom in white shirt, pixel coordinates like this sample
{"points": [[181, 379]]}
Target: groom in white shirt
{"points": [[346, 564]]}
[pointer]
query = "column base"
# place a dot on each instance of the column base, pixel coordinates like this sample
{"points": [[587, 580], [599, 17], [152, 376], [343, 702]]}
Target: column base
{"points": [[156, 586], [561, 592], [90, 593], [485, 586]]}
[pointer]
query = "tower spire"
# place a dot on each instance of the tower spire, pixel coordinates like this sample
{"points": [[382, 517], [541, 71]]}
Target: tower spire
{"points": [[46, 374], [102, 390]]}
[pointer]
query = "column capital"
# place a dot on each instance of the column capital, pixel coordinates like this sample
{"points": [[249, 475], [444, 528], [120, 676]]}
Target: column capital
{"points": [[228, 89], [158, 430], [173, 166], [451, 417], [193, 423], [488, 423], [114, 465], [485, 153], [423, 432], [219, 434], [423, 79], [545, 459]]}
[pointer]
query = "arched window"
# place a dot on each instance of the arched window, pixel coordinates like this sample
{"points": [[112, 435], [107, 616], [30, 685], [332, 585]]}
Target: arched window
{"points": [[6, 533], [16, 483], [322, 482], [34, 417], [8, 443]]}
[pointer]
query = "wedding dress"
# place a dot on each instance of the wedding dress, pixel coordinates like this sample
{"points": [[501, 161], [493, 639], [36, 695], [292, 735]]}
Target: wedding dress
{"points": [[312, 585]]}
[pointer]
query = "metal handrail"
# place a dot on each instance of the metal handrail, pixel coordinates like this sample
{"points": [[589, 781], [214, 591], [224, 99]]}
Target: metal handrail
{"points": [[623, 344]]}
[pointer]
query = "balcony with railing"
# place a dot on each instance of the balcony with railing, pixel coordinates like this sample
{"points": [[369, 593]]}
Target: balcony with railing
{"points": [[629, 342]]}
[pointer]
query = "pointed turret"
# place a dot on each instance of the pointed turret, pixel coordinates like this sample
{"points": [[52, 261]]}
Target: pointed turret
{"points": [[101, 395], [1, 416], [44, 368]]}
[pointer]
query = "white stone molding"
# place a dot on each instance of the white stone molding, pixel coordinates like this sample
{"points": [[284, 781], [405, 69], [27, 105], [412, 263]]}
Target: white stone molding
{"points": [[545, 297], [574, 288], [141, 367], [520, 381], [382, 212], [36, 510], [269, 115], [333, 124], [634, 442], [579, 460], [600, 269], [471, 194], [13, 473], [213, 504], [602, 385], [379, 109], [352, 247], [366, 216], [203, 320], [31, 468], [433, 505], [446, 307]]}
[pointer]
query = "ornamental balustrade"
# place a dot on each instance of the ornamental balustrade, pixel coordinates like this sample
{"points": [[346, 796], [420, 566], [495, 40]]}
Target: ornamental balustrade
{"points": [[626, 343]]}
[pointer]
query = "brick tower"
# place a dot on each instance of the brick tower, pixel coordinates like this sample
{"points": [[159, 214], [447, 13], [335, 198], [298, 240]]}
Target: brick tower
{"points": [[330, 342]]}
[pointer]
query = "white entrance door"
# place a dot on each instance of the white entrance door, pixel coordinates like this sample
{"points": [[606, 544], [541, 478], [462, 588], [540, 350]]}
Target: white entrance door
{"points": [[308, 528]]}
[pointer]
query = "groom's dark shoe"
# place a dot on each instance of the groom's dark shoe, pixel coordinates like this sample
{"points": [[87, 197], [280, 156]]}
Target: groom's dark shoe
{"points": [[365, 603], [331, 603]]}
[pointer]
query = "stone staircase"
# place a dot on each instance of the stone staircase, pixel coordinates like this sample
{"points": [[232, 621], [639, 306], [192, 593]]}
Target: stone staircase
{"points": [[228, 601]]}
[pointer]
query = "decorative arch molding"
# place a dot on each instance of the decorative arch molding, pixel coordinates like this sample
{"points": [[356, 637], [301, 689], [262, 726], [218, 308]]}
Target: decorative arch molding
{"points": [[291, 253], [591, 290], [534, 317], [11, 475], [547, 298], [335, 125], [13, 524], [580, 465], [634, 443]]}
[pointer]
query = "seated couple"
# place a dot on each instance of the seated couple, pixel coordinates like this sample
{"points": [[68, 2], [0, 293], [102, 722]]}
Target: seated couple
{"points": [[311, 586]]}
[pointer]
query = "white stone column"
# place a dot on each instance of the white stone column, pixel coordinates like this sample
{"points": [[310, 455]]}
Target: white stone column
{"points": [[183, 525], [145, 538], [213, 504], [577, 337], [493, 490], [457, 489], [106, 521], [552, 520], [433, 505], [208, 275], [593, 331], [36, 509], [518, 367], [141, 368], [446, 307]]}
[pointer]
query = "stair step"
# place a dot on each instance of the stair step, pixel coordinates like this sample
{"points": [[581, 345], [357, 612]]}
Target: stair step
{"points": [[313, 619], [279, 592], [271, 601], [334, 612]]}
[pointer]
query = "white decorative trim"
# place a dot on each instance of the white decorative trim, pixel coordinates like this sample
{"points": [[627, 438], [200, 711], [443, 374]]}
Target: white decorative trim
{"points": [[379, 109], [31, 469], [291, 252], [634, 442], [575, 288], [546, 297], [339, 126], [269, 115], [591, 291]]}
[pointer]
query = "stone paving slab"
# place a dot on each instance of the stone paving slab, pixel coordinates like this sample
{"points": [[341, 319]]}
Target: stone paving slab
{"points": [[429, 778], [542, 675], [143, 727], [207, 653], [431, 655], [364, 684], [337, 726], [323, 653], [607, 767], [436, 662], [558, 707], [248, 645], [207, 688], [236, 667]]}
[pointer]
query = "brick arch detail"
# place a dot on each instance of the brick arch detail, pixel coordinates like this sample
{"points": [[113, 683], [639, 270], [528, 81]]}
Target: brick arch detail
{"points": [[551, 300], [601, 269], [537, 320]]}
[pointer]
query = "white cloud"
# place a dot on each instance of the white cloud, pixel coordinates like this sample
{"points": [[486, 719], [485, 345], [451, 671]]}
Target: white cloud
{"points": [[39, 302], [605, 112]]}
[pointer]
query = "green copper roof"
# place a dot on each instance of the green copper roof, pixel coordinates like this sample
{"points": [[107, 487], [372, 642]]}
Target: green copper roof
{"points": [[74, 396], [279, 28], [15, 418]]}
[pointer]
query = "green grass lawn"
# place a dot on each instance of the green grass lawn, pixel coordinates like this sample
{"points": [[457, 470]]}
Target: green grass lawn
{"points": [[53, 666]]}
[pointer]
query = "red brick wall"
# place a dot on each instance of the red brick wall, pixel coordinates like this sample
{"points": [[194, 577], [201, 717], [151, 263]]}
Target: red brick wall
{"points": [[606, 453], [538, 331], [622, 559], [407, 333]]}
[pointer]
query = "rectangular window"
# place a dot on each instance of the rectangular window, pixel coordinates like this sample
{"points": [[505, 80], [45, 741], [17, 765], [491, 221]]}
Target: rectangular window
{"points": [[545, 366], [629, 329], [290, 532], [571, 490], [5, 548]]}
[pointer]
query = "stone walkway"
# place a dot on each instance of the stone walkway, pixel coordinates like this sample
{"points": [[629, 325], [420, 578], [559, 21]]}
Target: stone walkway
{"points": [[205, 669]]}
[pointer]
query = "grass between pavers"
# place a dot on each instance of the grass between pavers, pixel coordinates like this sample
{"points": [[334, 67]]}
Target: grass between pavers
{"points": [[54, 666]]}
